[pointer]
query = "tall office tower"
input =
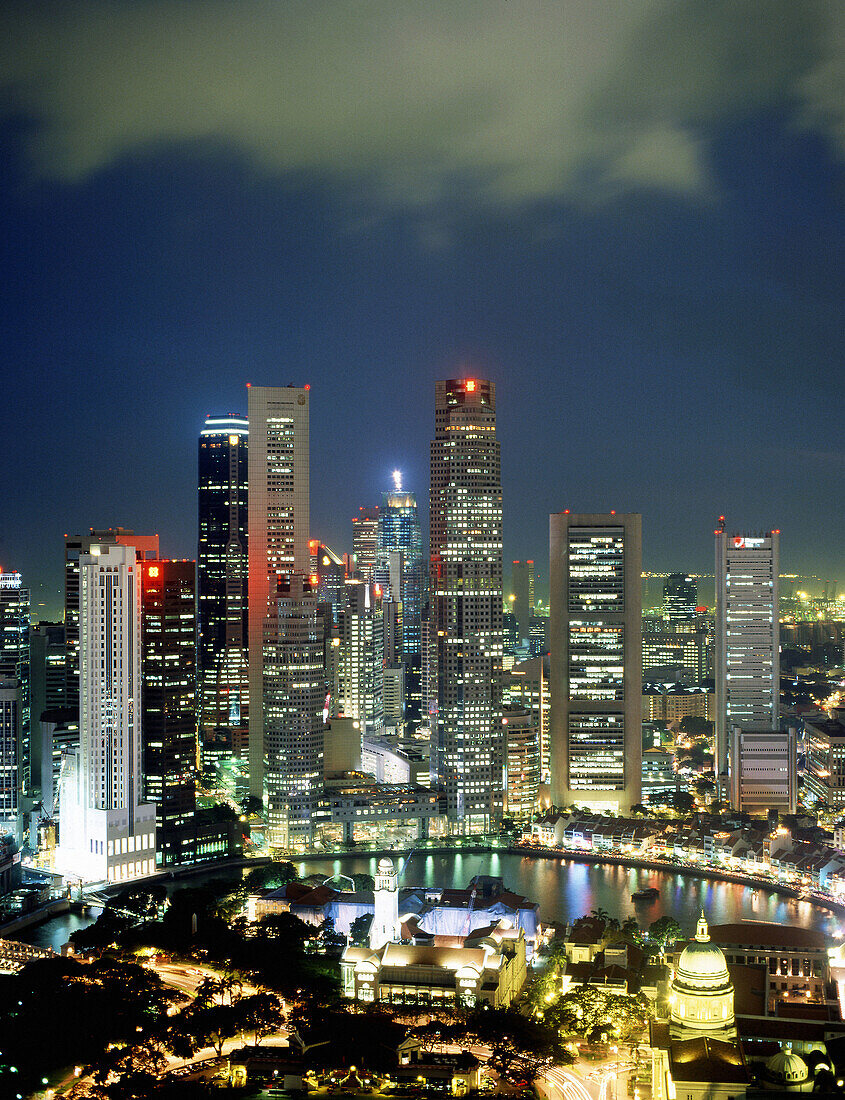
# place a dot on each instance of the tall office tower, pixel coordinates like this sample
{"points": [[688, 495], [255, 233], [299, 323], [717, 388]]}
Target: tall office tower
{"points": [[764, 771], [680, 598], [466, 602], [294, 697], [330, 571], [399, 530], [75, 547], [365, 541], [47, 685], [108, 831], [222, 576], [10, 758], [14, 659], [392, 607], [596, 659], [169, 703], [747, 664], [522, 585], [526, 687], [278, 535], [361, 671], [523, 762]]}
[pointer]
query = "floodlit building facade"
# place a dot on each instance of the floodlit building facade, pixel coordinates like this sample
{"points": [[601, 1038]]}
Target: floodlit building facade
{"points": [[278, 511], [465, 682], [747, 665], [222, 575], [596, 660], [108, 830]]}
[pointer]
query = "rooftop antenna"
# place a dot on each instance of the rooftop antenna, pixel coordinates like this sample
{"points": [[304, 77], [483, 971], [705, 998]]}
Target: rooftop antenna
{"points": [[397, 480]]}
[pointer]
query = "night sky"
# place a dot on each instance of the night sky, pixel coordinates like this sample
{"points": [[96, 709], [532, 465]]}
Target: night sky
{"points": [[629, 215]]}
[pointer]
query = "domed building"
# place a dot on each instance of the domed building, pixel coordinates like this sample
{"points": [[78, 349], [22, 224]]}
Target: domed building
{"points": [[786, 1071], [701, 993]]}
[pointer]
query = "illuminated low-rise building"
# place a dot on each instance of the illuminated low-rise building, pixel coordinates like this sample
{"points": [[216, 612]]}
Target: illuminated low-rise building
{"points": [[490, 969]]}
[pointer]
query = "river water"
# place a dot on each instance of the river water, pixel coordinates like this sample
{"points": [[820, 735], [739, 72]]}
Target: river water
{"points": [[565, 890]]}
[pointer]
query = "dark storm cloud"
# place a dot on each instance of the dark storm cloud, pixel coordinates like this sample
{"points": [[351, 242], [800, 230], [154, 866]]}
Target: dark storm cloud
{"points": [[501, 101]]}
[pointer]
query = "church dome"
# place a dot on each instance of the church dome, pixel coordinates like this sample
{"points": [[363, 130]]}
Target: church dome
{"points": [[787, 1069], [702, 994], [385, 866]]}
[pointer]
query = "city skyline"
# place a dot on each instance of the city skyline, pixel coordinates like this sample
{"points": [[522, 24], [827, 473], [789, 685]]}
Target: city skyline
{"points": [[650, 247]]}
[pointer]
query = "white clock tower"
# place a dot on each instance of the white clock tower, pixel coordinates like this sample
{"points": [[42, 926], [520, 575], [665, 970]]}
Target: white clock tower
{"points": [[385, 926]]}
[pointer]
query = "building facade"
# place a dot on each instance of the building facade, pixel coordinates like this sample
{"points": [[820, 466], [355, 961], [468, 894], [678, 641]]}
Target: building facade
{"points": [[466, 603], [294, 699], [108, 830], [10, 758], [365, 542], [680, 598], [15, 607], [169, 703], [278, 523], [747, 665], [399, 531], [764, 771], [360, 688], [596, 659], [222, 468], [522, 588]]}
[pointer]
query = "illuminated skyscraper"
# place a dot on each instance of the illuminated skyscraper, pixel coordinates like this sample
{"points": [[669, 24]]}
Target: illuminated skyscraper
{"points": [[10, 757], [15, 606], [294, 697], [680, 598], [75, 547], [399, 530], [747, 663], [168, 702], [222, 575], [361, 668], [108, 831], [465, 680], [278, 547], [596, 659], [365, 541]]}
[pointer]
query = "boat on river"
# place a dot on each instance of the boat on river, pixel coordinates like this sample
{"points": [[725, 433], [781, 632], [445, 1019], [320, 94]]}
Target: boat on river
{"points": [[648, 894]]}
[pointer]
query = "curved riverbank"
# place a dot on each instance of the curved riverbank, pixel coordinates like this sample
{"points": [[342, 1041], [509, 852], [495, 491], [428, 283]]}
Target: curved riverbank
{"points": [[566, 885], [609, 858]]}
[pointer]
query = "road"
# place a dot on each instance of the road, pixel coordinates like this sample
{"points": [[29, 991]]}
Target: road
{"points": [[585, 1081]]}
